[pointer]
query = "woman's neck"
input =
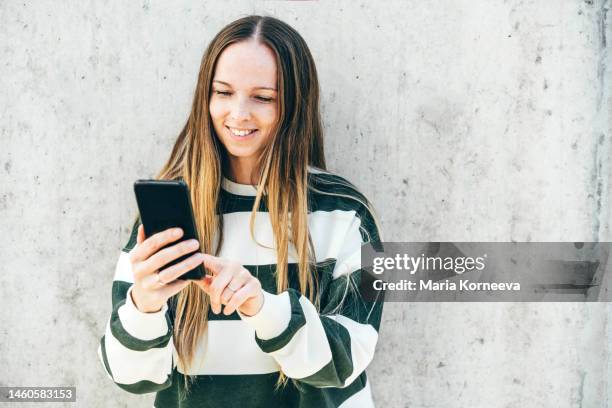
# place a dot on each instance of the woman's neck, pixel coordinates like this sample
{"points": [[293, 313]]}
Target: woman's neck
{"points": [[240, 172]]}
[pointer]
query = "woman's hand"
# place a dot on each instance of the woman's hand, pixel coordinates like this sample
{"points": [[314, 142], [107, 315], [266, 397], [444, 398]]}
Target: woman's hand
{"points": [[232, 285], [152, 288]]}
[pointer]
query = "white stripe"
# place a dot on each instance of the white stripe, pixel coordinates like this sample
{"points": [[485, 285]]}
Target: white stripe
{"points": [[123, 270], [348, 258], [143, 326], [129, 366], [231, 350], [328, 230], [238, 189], [361, 399], [347, 265], [308, 351], [363, 343], [331, 233], [273, 318], [102, 361]]}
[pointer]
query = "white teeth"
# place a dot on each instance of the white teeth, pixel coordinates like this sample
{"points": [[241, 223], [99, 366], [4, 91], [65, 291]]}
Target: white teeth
{"points": [[238, 132]]}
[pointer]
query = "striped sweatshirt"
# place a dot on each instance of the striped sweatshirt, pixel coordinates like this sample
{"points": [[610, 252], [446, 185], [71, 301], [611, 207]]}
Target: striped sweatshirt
{"points": [[323, 351]]}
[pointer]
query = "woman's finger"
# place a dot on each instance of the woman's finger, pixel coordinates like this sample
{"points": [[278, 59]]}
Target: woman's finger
{"points": [[227, 294], [151, 282], [247, 292], [238, 281], [140, 237], [173, 288], [214, 263], [173, 272], [169, 254], [154, 243], [217, 287]]}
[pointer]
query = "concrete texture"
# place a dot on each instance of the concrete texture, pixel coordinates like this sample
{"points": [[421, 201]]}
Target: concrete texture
{"points": [[481, 120]]}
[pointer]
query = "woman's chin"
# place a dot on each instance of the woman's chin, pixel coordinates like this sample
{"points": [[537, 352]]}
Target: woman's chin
{"points": [[241, 152]]}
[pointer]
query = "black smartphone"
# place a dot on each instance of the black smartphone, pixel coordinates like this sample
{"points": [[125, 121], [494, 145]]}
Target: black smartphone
{"points": [[166, 204]]}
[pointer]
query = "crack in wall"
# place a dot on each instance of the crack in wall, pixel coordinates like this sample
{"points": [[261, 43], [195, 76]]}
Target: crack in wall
{"points": [[603, 51], [600, 169]]}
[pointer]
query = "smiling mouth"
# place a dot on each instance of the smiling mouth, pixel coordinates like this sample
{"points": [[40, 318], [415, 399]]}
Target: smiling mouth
{"points": [[240, 132]]}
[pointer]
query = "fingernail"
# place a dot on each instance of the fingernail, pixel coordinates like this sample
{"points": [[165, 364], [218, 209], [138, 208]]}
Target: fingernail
{"points": [[177, 232]]}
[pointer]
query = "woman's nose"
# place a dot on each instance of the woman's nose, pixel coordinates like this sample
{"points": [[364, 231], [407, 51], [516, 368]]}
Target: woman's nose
{"points": [[240, 110]]}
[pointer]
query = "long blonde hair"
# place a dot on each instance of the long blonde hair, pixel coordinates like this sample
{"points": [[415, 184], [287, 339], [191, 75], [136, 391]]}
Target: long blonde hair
{"points": [[199, 158]]}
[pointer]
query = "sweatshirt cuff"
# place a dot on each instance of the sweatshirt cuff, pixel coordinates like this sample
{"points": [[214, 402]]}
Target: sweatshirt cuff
{"points": [[140, 325], [273, 318]]}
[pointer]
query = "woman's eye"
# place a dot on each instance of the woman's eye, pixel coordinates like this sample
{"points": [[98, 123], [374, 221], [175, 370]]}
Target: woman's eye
{"points": [[260, 98]]}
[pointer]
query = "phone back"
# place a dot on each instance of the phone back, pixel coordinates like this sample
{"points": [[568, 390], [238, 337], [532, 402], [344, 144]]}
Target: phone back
{"points": [[166, 204]]}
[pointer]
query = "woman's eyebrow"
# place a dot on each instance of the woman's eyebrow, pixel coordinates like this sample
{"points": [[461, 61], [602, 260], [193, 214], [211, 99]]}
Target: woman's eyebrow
{"points": [[257, 87]]}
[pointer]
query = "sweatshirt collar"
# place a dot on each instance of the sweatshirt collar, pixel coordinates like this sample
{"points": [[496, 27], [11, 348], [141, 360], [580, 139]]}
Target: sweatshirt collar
{"points": [[238, 189]]}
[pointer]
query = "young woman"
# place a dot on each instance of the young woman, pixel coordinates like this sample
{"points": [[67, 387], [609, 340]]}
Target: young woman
{"points": [[279, 320]]}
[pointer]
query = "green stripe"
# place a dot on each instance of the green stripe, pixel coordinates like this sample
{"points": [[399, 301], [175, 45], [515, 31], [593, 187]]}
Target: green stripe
{"points": [[133, 235], [329, 397], [336, 292], [351, 301], [221, 391], [144, 387], [265, 273], [296, 321], [104, 358], [131, 342], [119, 291], [253, 390], [231, 203], [341, 365]]}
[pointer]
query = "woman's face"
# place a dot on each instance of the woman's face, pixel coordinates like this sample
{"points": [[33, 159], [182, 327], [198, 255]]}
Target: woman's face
{"points": [[243, 102]]}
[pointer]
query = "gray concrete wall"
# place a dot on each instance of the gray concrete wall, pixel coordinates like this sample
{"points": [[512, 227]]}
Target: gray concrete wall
{"points": [[463, 120]]}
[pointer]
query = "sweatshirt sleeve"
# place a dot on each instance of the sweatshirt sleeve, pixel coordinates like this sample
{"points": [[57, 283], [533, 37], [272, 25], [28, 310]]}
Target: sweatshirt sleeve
{"points": [[137, 349], [333, 346]]}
